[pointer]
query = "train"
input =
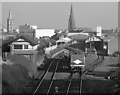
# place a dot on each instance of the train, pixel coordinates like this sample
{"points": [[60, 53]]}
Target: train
{"points": [[77, 62]]}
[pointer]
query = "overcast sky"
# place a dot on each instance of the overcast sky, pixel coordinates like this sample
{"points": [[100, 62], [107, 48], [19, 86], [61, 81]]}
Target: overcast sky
{"points": [[55, 15]]}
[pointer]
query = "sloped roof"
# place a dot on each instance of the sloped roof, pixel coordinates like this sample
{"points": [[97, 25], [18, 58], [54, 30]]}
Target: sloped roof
{"points": [[78, 37], [75, 31], [32, 42], [55, 37], [64, 40], [94, 38], [75, 50]]}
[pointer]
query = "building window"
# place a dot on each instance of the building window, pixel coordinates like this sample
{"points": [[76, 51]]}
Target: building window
{"points": [[17, 46], [25, 46]]}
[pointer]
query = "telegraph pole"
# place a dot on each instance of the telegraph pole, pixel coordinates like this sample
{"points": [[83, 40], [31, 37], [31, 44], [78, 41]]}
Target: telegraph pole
{"points": [[90, 46]]}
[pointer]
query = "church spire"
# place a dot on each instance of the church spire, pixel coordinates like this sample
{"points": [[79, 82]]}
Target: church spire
{"points": [[71, 22], [10, 23], [9, 16]]}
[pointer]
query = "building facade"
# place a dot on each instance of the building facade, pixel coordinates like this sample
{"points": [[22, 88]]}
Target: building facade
{"points": [[44, 32], [23, 45], [27, 30]]}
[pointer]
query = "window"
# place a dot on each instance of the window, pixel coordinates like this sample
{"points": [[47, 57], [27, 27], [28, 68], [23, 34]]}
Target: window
{"points": [[25, 46], [17, 46]]}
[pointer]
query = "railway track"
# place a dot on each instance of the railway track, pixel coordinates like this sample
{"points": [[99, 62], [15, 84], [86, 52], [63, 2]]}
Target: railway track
{"points": [[93, 65], [66, 87], [74, 86], [59, 86], [97, 62], [45, 84], [62, 86]]}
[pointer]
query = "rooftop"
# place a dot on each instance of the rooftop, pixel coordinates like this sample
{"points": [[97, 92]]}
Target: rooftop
{"points": [[32, 42]]}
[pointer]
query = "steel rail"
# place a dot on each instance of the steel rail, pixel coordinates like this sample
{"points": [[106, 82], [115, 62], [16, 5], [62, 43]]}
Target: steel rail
{"points": [[93, 62], [69, 85], [94, 65], [101, 59], [52, 78], [43, 77]]}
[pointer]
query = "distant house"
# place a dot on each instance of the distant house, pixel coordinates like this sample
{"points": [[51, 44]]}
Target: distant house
{"points": [[63, 41], [97, 45], [112, 37], [22, 45]]}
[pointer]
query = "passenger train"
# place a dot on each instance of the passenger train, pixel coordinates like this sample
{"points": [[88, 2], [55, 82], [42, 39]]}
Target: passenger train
{"points": [[77, 62]]}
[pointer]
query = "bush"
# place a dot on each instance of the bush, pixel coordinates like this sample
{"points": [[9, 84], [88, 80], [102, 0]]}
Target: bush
{"points": [[14, 78]]}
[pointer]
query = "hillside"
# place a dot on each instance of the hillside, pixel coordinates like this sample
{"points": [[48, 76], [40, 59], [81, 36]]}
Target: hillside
{"points": [[16, 73]]}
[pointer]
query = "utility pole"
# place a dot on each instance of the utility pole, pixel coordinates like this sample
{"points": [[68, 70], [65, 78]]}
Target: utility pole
{"points": [[90, 46]]}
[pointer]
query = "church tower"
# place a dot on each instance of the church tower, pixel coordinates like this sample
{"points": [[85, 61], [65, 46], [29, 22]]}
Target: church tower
{"points": [[71, 21], [10, 23]]}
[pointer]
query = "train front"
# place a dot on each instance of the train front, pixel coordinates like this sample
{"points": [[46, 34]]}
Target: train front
{"points": [[77, 63]]}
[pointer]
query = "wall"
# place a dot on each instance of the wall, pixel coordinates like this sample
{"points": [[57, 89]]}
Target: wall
{"points": [[112, 45], [30, 48], [23, 43], [44, 32]]}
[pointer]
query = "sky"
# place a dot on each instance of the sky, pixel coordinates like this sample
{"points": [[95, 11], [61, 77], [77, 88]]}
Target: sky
{"points": [[56, 14]]}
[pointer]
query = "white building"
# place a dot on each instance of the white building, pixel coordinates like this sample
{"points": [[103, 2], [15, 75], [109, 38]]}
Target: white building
{"points": [[44, 32], [99, 31]]}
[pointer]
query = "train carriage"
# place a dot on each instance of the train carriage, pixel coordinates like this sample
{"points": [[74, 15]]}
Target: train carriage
{"points": [[77, 63]]}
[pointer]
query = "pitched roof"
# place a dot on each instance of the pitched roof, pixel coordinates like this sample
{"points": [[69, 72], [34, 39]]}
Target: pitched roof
{"points": [[94, 38], [55, 37], [66, 39], [32, 42], [75, 50], [78, 37], [76, 31]]}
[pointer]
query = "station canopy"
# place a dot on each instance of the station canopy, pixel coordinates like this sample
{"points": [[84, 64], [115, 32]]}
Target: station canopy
{"points": [[93, 39], [66, 40]]}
